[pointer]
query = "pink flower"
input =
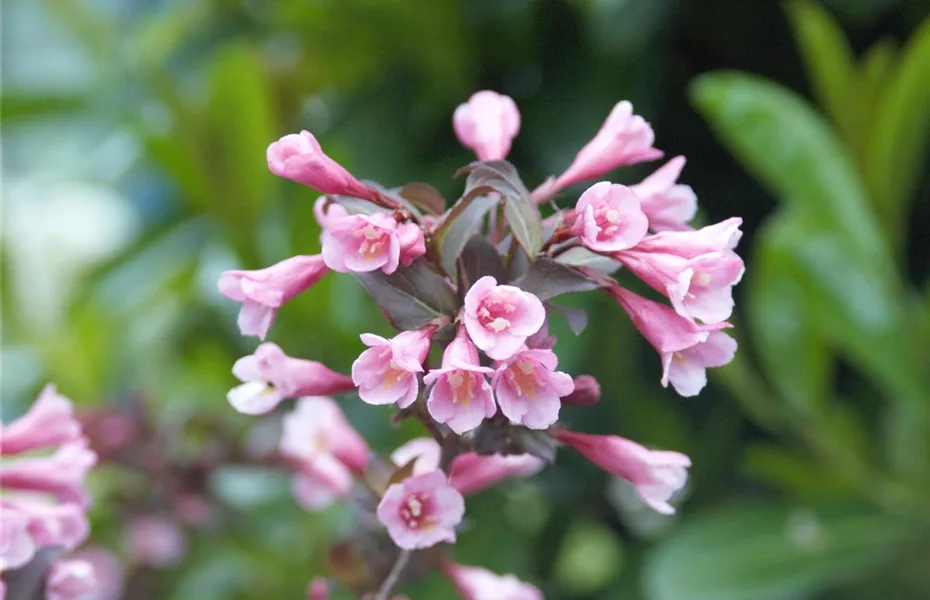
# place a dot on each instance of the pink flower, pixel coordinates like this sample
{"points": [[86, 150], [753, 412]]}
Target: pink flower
{"points": [[108, 573], [49, 524], [326, 212], [421, 511], [17, 546], [528, 388], [475, 583], [499, 318], [687, 349], [624, 139], [318, 589], [656, 475], [72, 579], [317, 427], [699, 287], [271, 376], [461, 396], [61, 474], [299, 157], [386, 373], [609, 218], [49, 422], [471, 473], [425, 451], [587, 392], [155, 540], [668, 205], [487, 124], [320, 482], [362, 243], [264, 291], [718, 237]]}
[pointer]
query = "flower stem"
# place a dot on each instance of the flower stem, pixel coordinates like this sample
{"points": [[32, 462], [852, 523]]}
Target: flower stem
{"points": [[390, 581]]}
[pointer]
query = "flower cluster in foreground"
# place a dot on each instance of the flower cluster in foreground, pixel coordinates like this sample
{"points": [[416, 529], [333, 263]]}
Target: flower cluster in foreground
{"points": [[43, 509], [477, 280]]}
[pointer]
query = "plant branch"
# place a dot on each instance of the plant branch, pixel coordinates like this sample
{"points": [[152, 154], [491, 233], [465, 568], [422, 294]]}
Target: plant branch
{"points": [[390, 581]]}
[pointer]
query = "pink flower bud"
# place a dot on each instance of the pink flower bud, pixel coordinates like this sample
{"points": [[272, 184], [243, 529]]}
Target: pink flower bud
{"points": [[421, 511], [487, 124], [668, 205], [587, 392], [425, 451], [718, 237], [656, 475], [299, 157], [471, 473], [318, 427], [475, 583], [699, 287], [61, 474], [318, 589], [155, 540], [70, 580], [687, 349], [609, 218], [528, 388], [363, 243], [271, 376], [386, 373], [499, 318], [264, 291], [624, 139], [49, 422], [461, 396]]}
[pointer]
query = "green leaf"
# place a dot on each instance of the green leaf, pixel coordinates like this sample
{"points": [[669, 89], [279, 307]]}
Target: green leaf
{"points": [[410, 296], [770, 552], [900, 135], [547, 279], [425, 196], [784, 143], [590, 557], [793, 353], [830, 64], [876, 66]]}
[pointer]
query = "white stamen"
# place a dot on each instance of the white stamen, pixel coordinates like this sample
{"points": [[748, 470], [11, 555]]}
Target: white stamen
{"points": [[499, 324]]}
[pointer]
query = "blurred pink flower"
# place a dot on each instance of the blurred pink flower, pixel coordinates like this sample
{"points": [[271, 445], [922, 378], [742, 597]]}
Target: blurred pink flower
{"points": [[49, 422], [264, 291], [487, 124], [587, 392], [317, 427], [318, 589], [299, 157], [155, 540], [70, 579], [528, 388], [421, 511], [609, 218], [386, 373], [461, 396], [270, 376], [669, 205], [60, 474], [471, 473], [109, 576], [655, 474], [425, 451], [500, 318], [475, 583]]}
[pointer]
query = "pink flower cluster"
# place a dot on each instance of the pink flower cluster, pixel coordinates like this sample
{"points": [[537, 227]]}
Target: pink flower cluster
{"points": [[44, 503], [494, 397]]}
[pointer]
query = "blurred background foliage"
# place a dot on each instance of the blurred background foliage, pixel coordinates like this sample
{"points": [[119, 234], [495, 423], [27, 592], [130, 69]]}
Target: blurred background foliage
{"points": [[134, 173]]}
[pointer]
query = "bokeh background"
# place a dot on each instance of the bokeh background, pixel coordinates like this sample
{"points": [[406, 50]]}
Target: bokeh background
{"points": [[134, 134]]}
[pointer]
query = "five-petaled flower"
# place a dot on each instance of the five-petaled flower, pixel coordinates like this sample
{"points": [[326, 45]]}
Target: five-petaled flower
{"points": [[461, 396], [362, 243], [528, 388], [608, 217], [421, 511], [387, 372], [499, 318]]}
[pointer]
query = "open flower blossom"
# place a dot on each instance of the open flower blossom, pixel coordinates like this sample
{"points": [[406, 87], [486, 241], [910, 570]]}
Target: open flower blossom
{"points": [[669, 205], [50, 421], [587, 392], [499, 318], [70, 579], [687, 349], [421, 511], [264, 291], [475, 583], [624, 139], [528, 388], [655, 474], [471, 473], [487, 124], [270, 376], [386, 373], [299, 157], [362, 243], [699, 288], [608, 217], [461, 396]]}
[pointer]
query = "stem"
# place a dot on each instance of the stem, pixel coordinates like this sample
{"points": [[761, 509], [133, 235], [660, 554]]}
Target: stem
{"points": [[391, 580]]}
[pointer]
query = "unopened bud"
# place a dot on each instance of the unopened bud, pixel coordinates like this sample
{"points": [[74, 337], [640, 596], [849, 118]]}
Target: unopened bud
{"points": [[587, 392]]}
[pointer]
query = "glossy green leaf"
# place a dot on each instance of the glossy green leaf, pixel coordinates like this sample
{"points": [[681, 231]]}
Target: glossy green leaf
{"points": [[900, 134], [781, 140], [829, 62], [770, 553], [794, 356], [410, 296]]}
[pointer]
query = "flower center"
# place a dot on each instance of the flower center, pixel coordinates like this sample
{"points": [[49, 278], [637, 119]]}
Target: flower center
{"points": [[463, 387], [702, 279], [608, 221], [373, 241], [391, 374], [417, 511], [494, 311], [523, 377]]}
